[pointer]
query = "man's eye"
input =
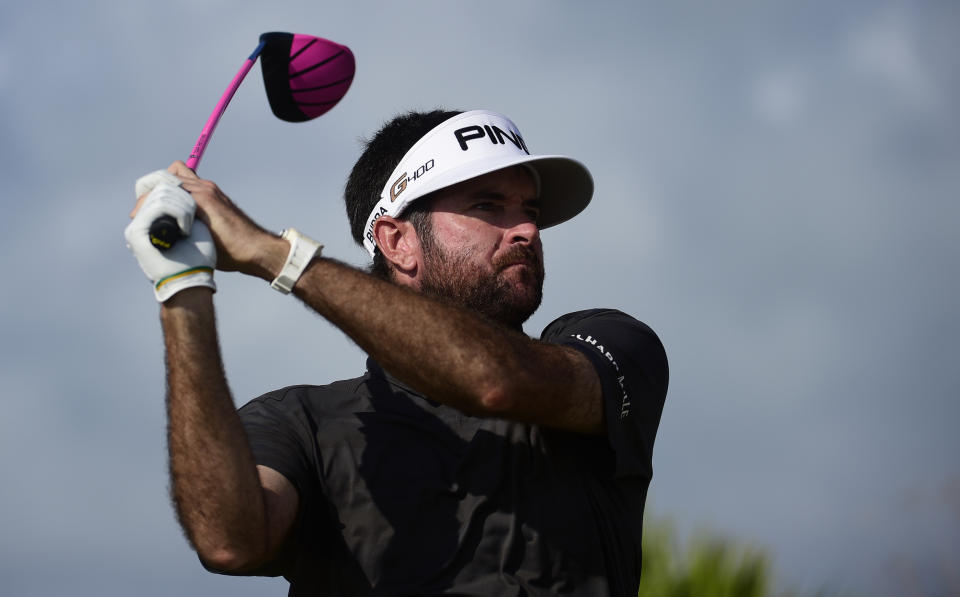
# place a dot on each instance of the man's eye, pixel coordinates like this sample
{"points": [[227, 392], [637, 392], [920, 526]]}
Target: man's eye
{"points": [[485, 206]]}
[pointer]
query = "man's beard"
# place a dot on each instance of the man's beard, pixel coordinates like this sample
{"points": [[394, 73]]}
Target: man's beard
{"points": [[454, 277]]}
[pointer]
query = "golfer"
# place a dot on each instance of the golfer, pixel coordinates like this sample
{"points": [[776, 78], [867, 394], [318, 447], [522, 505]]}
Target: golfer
{"points": [[469, 458]]}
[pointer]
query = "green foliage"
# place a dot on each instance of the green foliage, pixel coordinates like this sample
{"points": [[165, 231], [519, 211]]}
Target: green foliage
{"points": [[709, 566]]}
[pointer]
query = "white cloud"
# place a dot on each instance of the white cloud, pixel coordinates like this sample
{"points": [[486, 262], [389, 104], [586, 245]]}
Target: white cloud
{"points": [[886, 48], [779, 96]]}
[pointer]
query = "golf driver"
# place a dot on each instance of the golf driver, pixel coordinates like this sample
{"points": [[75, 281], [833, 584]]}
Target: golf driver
{"points": [[304, 77]]}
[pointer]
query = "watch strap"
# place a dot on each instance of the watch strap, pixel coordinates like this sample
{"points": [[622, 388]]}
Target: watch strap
{"points": [[302, 251]]}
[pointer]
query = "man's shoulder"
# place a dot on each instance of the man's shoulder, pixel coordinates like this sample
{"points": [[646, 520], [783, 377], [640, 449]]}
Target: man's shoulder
{"points": [[340, 397], [599, 318]]}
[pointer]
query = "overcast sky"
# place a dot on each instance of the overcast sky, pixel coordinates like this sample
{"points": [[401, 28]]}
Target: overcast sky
{"points": [[777, 193]]}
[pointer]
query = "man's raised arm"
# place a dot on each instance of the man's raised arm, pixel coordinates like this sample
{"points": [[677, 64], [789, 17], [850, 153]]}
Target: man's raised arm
{"points": [[234, 513], [454, 356]]}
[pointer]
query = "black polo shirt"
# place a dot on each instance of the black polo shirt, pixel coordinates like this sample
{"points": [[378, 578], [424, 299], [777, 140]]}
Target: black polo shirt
{"points": [[400, 495]]}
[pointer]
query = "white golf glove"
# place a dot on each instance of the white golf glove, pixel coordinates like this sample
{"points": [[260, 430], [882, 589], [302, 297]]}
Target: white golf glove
{"points": [[191, 261]]}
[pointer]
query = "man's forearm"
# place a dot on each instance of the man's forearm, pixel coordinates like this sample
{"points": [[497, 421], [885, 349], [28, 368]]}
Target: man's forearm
{"points": [[453, 355], [215, 485]]}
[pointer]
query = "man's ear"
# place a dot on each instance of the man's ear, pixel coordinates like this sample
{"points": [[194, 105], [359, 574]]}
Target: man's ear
{"points": [[398, 242]]}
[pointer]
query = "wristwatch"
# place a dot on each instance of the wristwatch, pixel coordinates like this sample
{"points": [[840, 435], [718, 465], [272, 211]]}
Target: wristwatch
{"points": [[302, 251]]}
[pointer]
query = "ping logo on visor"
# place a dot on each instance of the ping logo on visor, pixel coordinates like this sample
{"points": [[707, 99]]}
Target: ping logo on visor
{"points": [[495, 134], [472, 144]]}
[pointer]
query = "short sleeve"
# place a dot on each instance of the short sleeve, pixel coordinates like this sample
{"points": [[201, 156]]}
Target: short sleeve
{"points": [[278, 430], [632, 366], [282, 428]]}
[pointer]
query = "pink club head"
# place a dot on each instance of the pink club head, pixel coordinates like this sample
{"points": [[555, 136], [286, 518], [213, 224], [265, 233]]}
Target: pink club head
{"points": [[304, 75]]}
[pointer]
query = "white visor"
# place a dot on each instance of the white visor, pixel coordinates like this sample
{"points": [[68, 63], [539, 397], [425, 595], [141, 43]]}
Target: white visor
{"points": [[470, 145]]}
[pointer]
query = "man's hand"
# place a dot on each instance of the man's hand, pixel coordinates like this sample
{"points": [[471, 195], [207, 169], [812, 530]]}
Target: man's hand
{"points": [[242, 245], [187, 264]]}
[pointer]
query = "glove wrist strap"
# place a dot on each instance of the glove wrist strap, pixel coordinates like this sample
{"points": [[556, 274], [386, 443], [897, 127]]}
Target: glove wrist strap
{"points": [[302, 251]]}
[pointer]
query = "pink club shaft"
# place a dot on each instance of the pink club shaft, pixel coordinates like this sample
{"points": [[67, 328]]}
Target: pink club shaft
{"points": [[208, 128]]}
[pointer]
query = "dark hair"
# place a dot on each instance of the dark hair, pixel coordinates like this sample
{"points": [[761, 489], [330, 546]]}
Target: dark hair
{"points": [[380, 156]]}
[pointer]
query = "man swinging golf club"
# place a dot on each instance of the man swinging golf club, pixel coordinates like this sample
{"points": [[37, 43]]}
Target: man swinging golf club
{"points": [[468, 459]]}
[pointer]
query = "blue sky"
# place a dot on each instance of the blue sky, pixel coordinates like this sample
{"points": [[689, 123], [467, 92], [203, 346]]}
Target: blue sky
{"points": [[776, 195]]}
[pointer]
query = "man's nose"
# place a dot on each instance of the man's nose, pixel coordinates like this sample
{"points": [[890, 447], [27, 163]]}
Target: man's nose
{"points": [[524, 231]]}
